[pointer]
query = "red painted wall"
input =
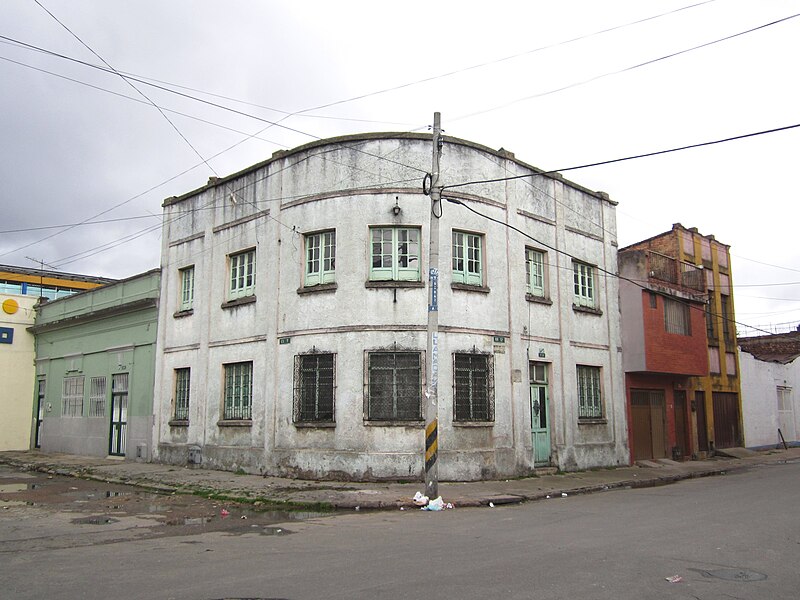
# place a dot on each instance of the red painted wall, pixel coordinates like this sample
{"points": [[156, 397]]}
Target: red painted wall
{"points": [[672, 352]]}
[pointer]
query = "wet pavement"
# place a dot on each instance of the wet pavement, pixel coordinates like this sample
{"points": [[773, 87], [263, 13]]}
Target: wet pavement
{"points": [[65, 512], [197, 493]]}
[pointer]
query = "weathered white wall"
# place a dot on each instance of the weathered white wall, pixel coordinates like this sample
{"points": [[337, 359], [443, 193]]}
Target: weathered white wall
{"points": [[760, 381], [346, 186]]}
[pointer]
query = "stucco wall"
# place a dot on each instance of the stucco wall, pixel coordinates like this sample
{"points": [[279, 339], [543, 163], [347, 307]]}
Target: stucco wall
{"points": [[345, 185], [760, 381], [16, 363]]}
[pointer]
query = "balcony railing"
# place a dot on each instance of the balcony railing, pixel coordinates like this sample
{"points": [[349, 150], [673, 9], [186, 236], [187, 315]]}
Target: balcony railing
{"points": [[671, 270]]}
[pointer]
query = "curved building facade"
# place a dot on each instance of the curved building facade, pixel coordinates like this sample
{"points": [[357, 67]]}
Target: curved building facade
{"points": [[292, 335]]}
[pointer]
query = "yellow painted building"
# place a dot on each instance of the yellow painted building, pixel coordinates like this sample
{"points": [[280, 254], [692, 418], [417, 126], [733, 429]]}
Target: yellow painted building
{"points": [[715, 416]]}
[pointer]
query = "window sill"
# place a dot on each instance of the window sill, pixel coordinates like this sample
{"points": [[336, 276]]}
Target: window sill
{"points": [[239, 302], [587, 309], [473, 423], [183, 313], [318, 289], [235, 423], [377, 423], [538, 299], [315, 424], [394, 284], [470, 288], [179, 423], [601, 421]]}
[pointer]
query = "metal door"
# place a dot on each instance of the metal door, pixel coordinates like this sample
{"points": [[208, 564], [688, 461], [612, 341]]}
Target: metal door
{"points": [[40, 404], [726, 419], [648, 415], [786, 413], [119, 414], [540, 412], [680, 423]]}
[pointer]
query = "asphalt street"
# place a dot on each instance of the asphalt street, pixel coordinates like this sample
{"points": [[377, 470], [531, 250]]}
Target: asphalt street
{"points": [[732, 536]]}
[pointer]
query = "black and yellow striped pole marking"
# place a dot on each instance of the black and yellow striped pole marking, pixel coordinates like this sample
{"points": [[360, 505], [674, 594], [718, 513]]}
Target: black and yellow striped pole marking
{"points": [[431, 446]]}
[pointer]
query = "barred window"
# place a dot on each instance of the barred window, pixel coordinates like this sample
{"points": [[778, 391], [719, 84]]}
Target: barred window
{"points": [[187, 288], [243, 274], [394, 254], [72, 397], [97, 397], [314, 386], [467, 258], [534, 272], [473, 388], [583, 278], [677, 318], [394, 388], [238, 401], [590, 405], [182, 378], [320, 258]]}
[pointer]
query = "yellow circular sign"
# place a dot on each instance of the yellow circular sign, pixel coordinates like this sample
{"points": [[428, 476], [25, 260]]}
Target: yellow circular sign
{"points": [[10, 306]]}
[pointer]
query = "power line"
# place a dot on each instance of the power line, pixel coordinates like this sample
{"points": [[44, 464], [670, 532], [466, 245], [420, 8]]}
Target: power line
{"points": [[626, 158], [602, 270], [624, 70]]}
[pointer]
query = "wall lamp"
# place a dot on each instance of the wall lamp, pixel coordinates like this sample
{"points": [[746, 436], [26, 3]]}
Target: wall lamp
{"points": [[396, 208]]}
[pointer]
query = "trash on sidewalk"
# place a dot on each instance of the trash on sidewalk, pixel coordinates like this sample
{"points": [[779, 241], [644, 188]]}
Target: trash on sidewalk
{"points": [[420, 499], [491, 504], [563, 494], [224, 513], [435, 504], [674, 578]]}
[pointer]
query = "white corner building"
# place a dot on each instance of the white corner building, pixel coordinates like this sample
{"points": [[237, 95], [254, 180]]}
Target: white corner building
{"points": [[294, 306]]}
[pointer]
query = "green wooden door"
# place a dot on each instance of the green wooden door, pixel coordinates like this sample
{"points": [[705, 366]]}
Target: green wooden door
{"points": [[540, 414]]}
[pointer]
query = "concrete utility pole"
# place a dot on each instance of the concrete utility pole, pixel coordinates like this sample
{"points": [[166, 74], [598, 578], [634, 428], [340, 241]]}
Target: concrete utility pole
{"points": [[432, 368]]}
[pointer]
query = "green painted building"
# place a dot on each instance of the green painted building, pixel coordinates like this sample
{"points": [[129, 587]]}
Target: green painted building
{"points": [[95, 370]]}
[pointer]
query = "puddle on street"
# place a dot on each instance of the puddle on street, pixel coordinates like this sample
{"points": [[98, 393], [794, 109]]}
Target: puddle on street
{"points": [[95, 520]]}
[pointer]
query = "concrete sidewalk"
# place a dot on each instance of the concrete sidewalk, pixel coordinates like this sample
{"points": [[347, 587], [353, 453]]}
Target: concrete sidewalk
{"points": [[384, 495]]}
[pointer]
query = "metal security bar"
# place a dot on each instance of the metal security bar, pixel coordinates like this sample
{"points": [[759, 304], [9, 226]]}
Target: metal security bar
{"points": [[182, 380], [394, 389], [238, 391], [473, 387], [314, 388], [590, 405]]}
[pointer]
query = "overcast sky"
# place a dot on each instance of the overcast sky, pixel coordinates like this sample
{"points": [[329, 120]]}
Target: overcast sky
{"points": [[560, 84]]}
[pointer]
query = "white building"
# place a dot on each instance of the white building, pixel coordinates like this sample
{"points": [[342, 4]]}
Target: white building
{"points": [[292, 334], [770, 377]]}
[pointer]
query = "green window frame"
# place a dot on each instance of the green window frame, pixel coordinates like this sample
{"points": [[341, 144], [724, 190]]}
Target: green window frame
{"points": [[473, 387], [394, 254], [187, 288], [394, 387], [320, 258], [182, 390], [242, 274], [467, 258], [534, 272], [238, 394], [584, 285], [314, 388], [590, 402]]}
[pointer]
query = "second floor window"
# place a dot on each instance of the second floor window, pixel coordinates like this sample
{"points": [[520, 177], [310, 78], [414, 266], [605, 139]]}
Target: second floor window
{"points": [[394, 253], [320, 258], [242, 274], [534, 275], [467, 258], [677, 318], [187, 288], [583, 279]]}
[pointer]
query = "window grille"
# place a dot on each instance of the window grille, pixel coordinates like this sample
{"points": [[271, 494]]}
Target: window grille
{"points": [[314, 387], [394, 386], [182, 380], [473, 387], [72, 397], [238, 391], [97, 397], [590, 404], [677, 318]]}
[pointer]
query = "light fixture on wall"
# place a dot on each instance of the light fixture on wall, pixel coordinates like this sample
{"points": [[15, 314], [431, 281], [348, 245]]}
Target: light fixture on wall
{"points": [[396, 208]]}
